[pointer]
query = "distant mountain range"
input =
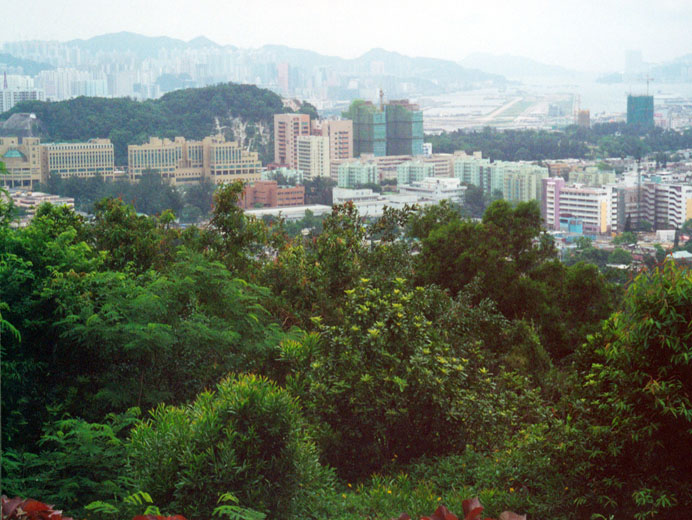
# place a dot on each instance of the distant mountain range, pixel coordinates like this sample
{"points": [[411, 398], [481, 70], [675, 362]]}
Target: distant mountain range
{"points": [[514, 67], [13, 65], [376, 62], [674, 71], [679, 69], [422, 72], [140, 45]]}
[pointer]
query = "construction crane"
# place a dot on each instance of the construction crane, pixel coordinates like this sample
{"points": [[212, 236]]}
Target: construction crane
{"points": [[648, 79], [576, 107]]}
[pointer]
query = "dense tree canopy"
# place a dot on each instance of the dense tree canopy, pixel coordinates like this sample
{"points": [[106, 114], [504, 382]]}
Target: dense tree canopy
{"points": [[603, 140], [246, 368]]}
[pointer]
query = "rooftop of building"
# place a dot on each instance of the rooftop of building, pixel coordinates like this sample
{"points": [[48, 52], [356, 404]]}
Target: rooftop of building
{"points": [[13, 154]]}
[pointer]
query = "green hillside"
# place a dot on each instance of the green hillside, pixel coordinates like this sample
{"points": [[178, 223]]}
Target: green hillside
{"points": [[191, 113], [29, 67]]}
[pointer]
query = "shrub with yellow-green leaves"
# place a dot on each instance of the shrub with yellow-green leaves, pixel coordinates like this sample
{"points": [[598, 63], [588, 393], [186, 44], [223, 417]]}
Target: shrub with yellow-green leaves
{"points": [[388, 383]]}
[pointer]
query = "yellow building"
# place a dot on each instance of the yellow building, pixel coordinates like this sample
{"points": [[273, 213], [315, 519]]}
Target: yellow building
{"points": [[182, 161], [95, 157], [22, 159]]}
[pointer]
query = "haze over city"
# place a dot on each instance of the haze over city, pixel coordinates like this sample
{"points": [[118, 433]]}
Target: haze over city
{"points": [[589, 36]]}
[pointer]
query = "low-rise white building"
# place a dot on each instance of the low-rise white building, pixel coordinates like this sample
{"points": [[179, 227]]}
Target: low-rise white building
{"points": [[290, 212], [372, 204], [435, 189]]}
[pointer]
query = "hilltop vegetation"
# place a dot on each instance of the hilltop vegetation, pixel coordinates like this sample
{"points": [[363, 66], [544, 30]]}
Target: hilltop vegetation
{"points": [[191, 113], [337, 374], [600, 141]]}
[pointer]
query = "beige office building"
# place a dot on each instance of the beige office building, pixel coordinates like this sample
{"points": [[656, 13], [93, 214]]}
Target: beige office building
{"points": [[22, 158], [182, 161], [287, 129], [313, 156], [83, 160]]}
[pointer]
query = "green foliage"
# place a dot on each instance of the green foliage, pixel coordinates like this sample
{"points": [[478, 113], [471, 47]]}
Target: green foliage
{"points": [[429, 218], [366, 381], [143, 336], [132, 241], [151, 195], [78, 463], [236, 239], [620, 256], [138, 503], [476, 200], [29, 258], [602, 140], [513, 263], [6, 326], [319, 190], [425, 335], [292, 229], [307, 108], [309, 277], [627, 237], [234, 511], [635, 405], [201, 196], [244, 438]]}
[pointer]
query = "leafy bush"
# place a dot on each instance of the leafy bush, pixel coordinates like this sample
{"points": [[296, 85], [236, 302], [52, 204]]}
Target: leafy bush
{"points": [[142, 336], [390, 384], [244, 438], [633, 417], [79, 462]]}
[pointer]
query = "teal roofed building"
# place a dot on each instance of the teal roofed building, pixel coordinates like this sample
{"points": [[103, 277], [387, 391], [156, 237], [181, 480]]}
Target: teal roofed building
{"points": [[13, 154]]}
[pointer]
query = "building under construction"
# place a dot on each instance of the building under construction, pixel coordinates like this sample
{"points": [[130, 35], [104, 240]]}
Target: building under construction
{"points": [[394, 128], [640, 111], [369, 129], [404, 128]]}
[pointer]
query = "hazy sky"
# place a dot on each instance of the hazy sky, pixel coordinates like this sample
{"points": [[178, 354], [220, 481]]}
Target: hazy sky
{"points": [[584, 34]]}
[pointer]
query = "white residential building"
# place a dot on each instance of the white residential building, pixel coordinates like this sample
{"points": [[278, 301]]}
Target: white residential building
{"points": [[313, 155], [354, 173], [667, 205], [412, 171], [9, 97]]}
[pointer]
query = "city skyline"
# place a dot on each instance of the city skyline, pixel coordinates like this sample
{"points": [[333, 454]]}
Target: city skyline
{"points": [[584, 36]]}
